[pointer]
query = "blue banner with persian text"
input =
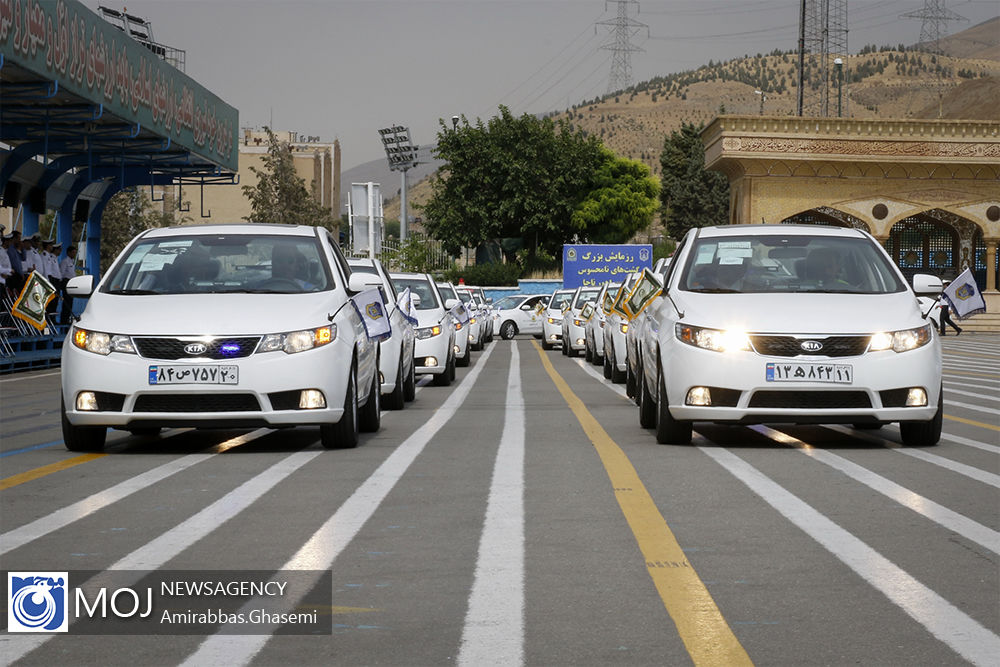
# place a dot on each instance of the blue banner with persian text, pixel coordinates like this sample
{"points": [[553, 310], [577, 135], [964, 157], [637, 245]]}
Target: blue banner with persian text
{"points": [[591, 265]]}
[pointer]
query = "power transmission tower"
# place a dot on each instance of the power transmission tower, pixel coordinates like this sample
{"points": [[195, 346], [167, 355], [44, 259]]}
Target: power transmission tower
{"points": [[822, 42], [933, 17], [623, 28]]}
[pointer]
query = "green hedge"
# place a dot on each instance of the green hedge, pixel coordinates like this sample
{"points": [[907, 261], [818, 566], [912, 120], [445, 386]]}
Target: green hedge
{"points": [[486, 275]]}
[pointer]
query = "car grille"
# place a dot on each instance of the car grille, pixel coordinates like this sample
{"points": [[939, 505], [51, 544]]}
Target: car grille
{"points": [[791, 346], [207, 402], [810, 400], [217, 348]]}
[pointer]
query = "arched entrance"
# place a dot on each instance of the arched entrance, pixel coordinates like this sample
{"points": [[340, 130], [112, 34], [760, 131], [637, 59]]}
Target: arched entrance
{"points": [[936, 242], [826, 216]]}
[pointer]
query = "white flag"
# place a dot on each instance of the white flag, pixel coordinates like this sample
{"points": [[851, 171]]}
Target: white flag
{"points": [[963, 296], [373, 313], [405, 304], [460, 312]]}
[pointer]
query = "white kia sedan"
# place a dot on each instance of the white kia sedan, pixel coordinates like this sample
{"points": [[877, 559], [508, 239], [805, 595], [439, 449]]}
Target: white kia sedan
{"points": [[552, 317], [593, 330], [397, 371], [212, 326], [573, 340], [435, 329], [798, 324], [519, 313], [616, 327], [463, 347]]}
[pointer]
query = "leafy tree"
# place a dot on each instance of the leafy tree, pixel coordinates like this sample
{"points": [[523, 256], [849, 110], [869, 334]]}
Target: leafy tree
{"points": [[623, 201], [692, 196], [280, 194], [128, 213]]}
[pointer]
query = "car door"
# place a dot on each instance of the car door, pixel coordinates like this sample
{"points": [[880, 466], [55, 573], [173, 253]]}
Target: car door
{"points": [[528, 320]]}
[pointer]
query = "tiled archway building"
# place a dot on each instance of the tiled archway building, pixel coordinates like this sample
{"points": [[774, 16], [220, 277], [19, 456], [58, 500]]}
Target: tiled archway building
{"points": [[928, 190]]}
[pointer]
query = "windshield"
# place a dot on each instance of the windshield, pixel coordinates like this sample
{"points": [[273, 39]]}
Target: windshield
{"points": [[220, 264], [508, 302], [465, 295], [420, 287], [585, 295], [766, 264], [560, 300], [447, 291]]}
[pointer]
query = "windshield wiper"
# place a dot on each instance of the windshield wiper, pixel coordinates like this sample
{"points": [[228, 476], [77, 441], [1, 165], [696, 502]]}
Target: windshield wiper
{"points": [[133, 292], [716, 290]]}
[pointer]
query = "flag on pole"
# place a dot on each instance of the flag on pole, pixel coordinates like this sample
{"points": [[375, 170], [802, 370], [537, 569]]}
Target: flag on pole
{"points": [[461, 313], [405, 304], [373, 315], [963, 296], [31, 302], [646, 289], [587, 311]]}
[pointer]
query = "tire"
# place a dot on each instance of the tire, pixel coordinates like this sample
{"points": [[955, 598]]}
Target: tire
{"points": [[344, 434], [466, 358], [669, 431], [617, 376], [81, 438], [923, 434], [410, 384], [546, 345], [588, 354], [508, 330], [647, 404], [630, 382], [451, 370], [370, 414], [396, 399], [607, 366]]}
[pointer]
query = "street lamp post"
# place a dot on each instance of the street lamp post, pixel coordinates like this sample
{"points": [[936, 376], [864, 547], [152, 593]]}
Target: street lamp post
{"points": [[402, 155], [839, 64]]}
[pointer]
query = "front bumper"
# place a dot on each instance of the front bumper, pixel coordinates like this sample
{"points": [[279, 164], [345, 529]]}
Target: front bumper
{"points": [[576, 337], [267, 392], [437, 347], [741, 393], [551, 333]]}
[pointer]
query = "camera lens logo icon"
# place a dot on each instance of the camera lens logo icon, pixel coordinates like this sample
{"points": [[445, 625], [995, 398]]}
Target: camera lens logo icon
{"points": [[36, 601]]}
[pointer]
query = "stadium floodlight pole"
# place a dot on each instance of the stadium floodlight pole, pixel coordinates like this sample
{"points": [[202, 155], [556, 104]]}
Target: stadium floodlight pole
{"points": [[402, 155]]}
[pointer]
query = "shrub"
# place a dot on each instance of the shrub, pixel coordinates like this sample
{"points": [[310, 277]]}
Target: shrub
{"points": [[486, 275]]}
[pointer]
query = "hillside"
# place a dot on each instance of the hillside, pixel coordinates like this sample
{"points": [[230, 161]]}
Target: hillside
{"points": [[881, 82]]}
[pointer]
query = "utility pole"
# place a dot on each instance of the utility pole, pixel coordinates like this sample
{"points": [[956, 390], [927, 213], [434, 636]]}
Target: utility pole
{"points": [[622, 28], [822, 39]]}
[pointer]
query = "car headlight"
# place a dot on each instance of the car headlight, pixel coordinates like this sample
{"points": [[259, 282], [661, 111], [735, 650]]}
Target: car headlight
{"points": [[298, 341], [428, 332], [900, 341], [579, 323], [102, 343], [555, 320], [712, 339], [624, 327]]}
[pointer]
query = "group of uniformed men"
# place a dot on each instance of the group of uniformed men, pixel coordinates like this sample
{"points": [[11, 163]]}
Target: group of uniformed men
{"points": [[21, 256]]}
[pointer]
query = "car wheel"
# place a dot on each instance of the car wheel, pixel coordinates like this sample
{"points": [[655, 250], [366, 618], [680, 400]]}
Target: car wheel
{"points": [[410, 385], [81, 438], [395, 400], [344, 434], [647, 403], [370, 414], [588, 354], [145, 431], [669, 431], [546, 345], [508, 330], [564, 348], [466, 358], [617, 376], [923, 434], [607, 366], [630, 382], [451, 370]]}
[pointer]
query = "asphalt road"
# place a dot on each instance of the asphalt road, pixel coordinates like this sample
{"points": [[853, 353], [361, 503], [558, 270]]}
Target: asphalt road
{"points": [[522, 516]]}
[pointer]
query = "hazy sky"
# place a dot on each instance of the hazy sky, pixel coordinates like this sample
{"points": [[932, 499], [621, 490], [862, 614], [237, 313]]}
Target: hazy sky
{"points": [[343, 69]]}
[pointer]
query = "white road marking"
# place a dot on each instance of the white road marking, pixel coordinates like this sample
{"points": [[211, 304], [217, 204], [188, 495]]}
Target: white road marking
{"points": [[494, 623], [319, 552], [949, 624]]}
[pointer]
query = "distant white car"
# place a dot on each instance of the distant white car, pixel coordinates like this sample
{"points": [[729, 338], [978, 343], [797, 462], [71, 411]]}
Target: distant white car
{"points": [[573, 340], [221, 326], [434, 349], [463, 348], [519, 313], [636, 331], [478, 323], [593, 330], [396, 365], [615, 329], [552, 318], [832, 334]]}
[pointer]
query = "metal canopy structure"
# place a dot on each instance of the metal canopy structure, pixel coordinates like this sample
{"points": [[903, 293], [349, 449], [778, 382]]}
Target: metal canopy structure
{"points": [[86, 110]]}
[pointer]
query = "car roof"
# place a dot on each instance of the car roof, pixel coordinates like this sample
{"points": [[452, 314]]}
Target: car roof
{"points": [[410, 274], [232, 228], [778, 230]]}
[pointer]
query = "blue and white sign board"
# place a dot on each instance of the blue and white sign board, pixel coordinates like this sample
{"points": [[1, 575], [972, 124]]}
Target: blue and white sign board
{"points": [[591, 265]]}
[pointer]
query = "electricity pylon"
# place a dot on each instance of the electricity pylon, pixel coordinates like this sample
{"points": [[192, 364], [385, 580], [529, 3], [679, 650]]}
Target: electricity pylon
{"points": [[623, 28]]}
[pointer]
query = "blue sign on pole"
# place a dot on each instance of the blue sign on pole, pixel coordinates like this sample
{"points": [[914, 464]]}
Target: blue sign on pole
{"points": [[590, 265]]}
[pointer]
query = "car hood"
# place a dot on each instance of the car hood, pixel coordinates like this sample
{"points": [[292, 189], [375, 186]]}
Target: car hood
{"points": [[209, 314], [428, 318], [799, 313]]}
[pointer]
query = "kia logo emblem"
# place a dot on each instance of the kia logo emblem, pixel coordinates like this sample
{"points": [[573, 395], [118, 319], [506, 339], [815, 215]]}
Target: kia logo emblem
{"points": [[811, 345], [196, 348]]}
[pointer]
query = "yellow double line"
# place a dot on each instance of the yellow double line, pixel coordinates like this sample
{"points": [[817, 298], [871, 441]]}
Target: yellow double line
{"points": [[707, 637], [27, 476]]}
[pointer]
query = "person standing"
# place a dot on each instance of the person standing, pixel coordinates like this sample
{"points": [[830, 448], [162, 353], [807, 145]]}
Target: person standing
{"points": [[16, 280], [6, 270], [67, 270], [946, 319]]}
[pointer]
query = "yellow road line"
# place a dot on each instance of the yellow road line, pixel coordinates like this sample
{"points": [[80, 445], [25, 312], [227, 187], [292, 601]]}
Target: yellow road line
{"points": [[972, 422], [29, 475], [706, 635]]}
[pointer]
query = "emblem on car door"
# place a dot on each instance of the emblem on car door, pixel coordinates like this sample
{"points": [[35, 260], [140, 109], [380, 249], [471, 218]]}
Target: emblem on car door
{"points": [[811, 345], [196, 348]]}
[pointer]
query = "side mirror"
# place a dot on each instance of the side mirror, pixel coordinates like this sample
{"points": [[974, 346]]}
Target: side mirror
{"points": [[450, 303], [415, 300], [927, 285], [80, 286], [527, 307], [359, 282], [489, 300]]}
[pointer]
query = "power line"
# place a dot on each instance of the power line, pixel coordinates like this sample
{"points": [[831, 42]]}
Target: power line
{"points": [[622, 48], [933, 17]]}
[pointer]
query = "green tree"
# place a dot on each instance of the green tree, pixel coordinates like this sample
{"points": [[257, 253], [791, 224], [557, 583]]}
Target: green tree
{"points": [[623, 201], [128, 213], [692, 196], [280, 194]]}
